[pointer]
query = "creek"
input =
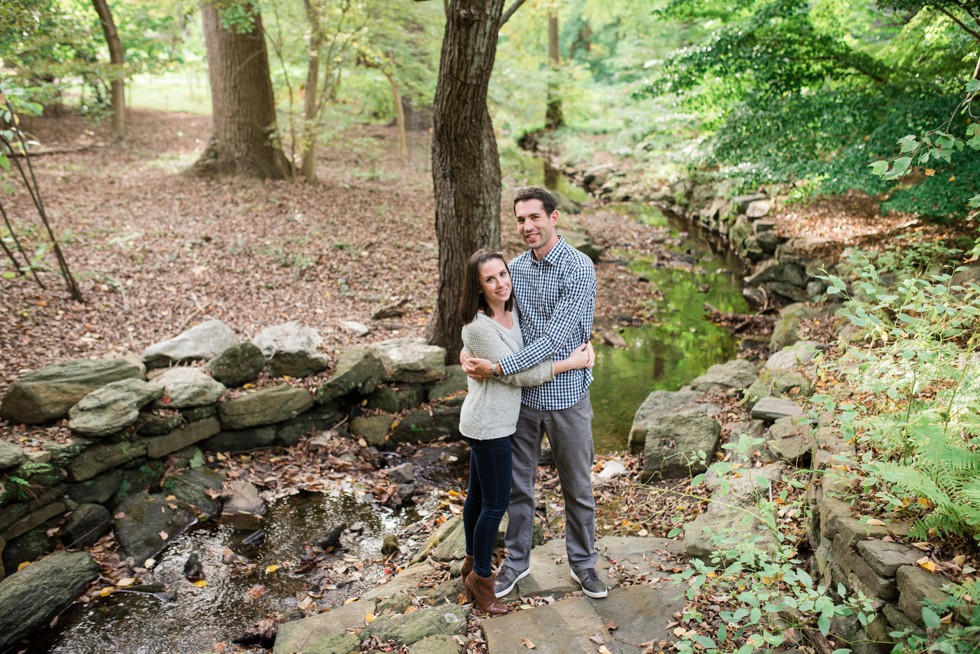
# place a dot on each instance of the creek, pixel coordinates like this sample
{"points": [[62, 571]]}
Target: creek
{"points": [[182, 617]]}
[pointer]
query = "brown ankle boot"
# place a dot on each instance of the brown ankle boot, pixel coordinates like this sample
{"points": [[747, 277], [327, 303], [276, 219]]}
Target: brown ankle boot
{"points": [[467, 567], [480, 591]]}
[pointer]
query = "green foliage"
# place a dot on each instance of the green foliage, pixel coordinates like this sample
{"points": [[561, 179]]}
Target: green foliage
{"points": [[921, 437]]}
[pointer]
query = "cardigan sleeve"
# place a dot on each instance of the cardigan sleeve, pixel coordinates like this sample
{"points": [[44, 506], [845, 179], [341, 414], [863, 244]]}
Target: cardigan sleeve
{"points": [[481, 339]]}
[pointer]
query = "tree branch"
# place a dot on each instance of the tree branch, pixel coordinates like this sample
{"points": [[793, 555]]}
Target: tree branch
{"points": [[965, 6], [510, 12], [975, 34]]}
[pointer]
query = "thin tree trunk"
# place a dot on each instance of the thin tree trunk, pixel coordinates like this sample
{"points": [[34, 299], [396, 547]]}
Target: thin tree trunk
{"points": [[117, 60], [308, 142], [465, 163], [399, 115], [245, 138], [553, 118]]}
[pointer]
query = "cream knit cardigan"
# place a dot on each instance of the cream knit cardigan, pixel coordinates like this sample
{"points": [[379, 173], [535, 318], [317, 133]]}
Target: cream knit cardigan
{"points": [[492, 407]]}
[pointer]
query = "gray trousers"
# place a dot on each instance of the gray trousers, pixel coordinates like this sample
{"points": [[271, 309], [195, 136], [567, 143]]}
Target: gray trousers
{"points": [[569, 432]]}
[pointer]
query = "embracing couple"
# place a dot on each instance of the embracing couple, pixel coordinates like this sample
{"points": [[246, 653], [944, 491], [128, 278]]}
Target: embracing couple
{"points": [[528, 357]]}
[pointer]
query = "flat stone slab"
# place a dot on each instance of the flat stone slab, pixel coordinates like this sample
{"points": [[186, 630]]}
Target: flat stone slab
{"points": [[204, 341], [309, 634], [737, 374], [565, 627], [111, 408], [641, 613], [773, 408], [265, 406], [411, 360], [187, 387]]}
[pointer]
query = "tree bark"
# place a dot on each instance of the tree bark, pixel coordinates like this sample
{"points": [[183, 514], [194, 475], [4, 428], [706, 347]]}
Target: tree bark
{"points": [[399, 114], [117, 61], [465, 163], [553, 117], [245, 137], [308, 143]]}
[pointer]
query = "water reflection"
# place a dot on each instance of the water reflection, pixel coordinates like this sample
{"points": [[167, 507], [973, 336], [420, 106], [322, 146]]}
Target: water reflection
{"points": [[681, 343]]}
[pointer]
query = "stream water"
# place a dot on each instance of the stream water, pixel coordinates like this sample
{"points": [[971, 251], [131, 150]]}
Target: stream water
{"points": [[189, 618]]}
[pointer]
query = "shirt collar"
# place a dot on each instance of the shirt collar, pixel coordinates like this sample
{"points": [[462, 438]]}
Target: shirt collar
{"points": [[554, 256]]}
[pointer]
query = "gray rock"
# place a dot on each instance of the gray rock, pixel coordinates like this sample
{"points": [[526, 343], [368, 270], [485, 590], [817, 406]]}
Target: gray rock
{"points": [[659, 404], [99, 458], [737, 374], [581, 241], [86, 524], [158, 422], [237, 365], [357, 369], [144, 521], [674, 442], [192, 486], [772, 270], [319, 417], [63, 453], [11, 455], [886, 557], [786, 330], [790, 441], [204, 341], [243, 509], [773, 408], [98, 490], [31, 545], [422, 425], [549, 628], [241, 440], [326, 632], [411, 360], [445, 619], [186, 388], [355, 328], [789, 357], [48, 393], [111, 408], [758, 208], [30, 597], [182, 437], [916, 585], [291, 349], [394, 398], [265, 406], [452, 390]]}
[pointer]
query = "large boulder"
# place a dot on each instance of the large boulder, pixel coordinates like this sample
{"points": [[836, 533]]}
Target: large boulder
{"points": [[204, 341], [680, 445], [29, 598], [265, 406], [111, 408], [411, 360], [292, 350], [660, 404], [187, 387], [48, 393], [11, 455]]}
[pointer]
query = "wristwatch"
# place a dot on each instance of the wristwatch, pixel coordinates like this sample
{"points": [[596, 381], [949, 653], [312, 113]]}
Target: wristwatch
{"points": [[496, 373]]}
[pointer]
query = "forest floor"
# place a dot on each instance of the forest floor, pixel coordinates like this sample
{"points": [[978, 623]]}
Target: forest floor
{"points": [[155, 251]]}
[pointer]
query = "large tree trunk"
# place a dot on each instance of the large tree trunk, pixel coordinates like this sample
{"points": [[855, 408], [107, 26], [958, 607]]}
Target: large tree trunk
{"points": [[465, 164], [117, 60], [245, 138]]}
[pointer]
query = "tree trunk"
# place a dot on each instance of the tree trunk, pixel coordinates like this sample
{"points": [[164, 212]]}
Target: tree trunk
{"points": [[399, 115], [308, 137], [117, 60], [465, 164], [245, 138], [553, 118]]}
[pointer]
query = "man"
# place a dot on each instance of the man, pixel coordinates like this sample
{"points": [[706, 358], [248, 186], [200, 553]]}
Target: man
{"points": [[555, 288]]}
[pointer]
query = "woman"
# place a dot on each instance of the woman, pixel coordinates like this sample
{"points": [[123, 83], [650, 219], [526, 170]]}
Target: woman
{"points": [[489, 414]]}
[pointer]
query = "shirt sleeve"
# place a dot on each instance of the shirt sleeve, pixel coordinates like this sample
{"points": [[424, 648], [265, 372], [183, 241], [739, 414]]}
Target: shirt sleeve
{"points": [[575, 301], [481, 341]]}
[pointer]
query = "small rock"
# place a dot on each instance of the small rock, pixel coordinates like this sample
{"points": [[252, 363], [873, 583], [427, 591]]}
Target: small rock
{"points": [[390, 545], [193, 570]]}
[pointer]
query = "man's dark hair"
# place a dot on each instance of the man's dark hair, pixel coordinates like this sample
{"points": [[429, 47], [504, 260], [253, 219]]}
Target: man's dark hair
{"points": [[472, 300], [535, 193]]}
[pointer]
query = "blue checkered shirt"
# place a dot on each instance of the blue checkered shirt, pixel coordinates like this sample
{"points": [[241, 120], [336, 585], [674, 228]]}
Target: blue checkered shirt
{"points": [[556, 300]]}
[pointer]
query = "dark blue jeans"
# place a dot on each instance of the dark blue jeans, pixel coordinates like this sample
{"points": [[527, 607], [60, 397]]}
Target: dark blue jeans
{"points": [[486, 499]]}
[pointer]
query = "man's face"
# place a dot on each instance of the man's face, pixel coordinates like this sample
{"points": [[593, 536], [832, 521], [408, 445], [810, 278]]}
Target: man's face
{"points": [[535, 227]]}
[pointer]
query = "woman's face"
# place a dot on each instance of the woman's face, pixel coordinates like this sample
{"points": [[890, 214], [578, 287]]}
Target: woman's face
{"points": [[495, 280]]}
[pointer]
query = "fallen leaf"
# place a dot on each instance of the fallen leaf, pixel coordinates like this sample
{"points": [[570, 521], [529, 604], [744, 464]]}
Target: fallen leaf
{"points": [[604, 650], [272, 568], [164, 535], [596, 638], [200, 583], [257, 591], [875, 522], [368, 618], [527, 643], [126, 581], [926, 564]]}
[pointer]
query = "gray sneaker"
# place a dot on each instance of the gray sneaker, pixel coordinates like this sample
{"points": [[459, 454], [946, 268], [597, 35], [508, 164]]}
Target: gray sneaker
{"points": [[591, 585], [507, 578]]}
